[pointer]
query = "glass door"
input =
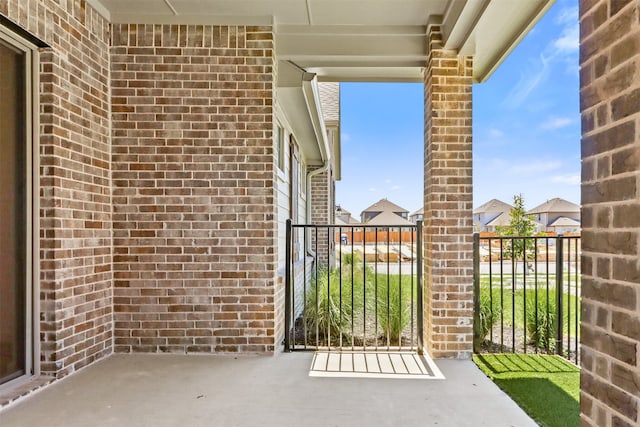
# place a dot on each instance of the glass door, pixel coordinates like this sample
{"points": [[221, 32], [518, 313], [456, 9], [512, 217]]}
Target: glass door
{"points": [[14, 194]]}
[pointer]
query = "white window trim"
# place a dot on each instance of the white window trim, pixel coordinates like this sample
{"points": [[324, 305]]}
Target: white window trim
{"points": [[32, 350]]}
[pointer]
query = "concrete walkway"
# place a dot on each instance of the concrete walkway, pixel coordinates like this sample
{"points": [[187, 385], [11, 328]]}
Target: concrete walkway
{"points": [[185, 391]]}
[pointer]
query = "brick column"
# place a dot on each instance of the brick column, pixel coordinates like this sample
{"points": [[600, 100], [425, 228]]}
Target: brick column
{"points": [[448, 225], [609, 101], [322, 213]]}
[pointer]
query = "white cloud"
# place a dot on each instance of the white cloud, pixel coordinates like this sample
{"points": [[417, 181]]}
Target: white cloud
{"points": [[395, 187], [536, 74], [496, 133], [567, 15], [534, 167], [559, 50], [569, 40], [373, 189], [568, 179], [387, 181], [345, 137], [556, 123]]}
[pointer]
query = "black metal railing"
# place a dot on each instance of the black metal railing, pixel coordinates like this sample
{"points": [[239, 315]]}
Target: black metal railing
{"points": [[527, 295], [353, 287]]}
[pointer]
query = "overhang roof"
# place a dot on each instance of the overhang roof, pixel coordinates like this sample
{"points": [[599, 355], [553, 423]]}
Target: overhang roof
{"points": [[356, 40]]}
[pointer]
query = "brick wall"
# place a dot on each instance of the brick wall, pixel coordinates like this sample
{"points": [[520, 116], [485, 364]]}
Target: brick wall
{"points": [[322, 213], [75, 198], [610, 334], [194, 188], [448, 225]]}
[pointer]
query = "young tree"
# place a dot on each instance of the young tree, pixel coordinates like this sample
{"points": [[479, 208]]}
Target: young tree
{"points": [[520, 225]]}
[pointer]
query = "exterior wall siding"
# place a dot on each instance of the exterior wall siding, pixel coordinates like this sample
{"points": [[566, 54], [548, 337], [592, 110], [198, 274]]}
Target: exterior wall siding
{"points": [[76, 317], [448, 225], [610, 334], [194, 189]]}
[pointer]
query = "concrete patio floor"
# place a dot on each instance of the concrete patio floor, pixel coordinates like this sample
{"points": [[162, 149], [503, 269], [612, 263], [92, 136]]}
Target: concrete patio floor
{"points": [[185, 391]]}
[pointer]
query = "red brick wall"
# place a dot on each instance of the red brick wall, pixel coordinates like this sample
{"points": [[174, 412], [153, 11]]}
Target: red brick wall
{"points": [[194, 188], [75, 197], [448, 225], [609, 100]]}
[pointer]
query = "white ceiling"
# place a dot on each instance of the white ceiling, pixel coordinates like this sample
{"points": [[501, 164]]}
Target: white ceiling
{"points": [[361, 40]]}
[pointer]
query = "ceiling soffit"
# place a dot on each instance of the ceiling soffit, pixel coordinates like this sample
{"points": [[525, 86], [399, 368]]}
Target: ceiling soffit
{"points": [[356, 40]]}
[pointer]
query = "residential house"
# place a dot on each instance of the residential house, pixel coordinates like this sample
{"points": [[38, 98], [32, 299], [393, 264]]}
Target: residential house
{"points": [[491, 214], [142, 211], [417, 216], [382, 206], [557, 215], [343, 217]]}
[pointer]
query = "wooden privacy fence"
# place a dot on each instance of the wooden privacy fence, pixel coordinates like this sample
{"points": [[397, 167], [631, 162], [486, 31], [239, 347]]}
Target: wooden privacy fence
{"points": [[377, 235]]}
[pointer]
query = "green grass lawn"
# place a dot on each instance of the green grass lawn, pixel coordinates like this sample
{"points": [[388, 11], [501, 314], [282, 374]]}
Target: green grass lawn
{"points": [[513, 305], [545, 387]]}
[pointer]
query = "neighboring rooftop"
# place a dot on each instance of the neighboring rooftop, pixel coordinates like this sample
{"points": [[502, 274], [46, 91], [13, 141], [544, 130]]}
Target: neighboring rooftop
{"points": [[388, 218], [384, 205], [563, 221], [555, 205], [493, 205]]}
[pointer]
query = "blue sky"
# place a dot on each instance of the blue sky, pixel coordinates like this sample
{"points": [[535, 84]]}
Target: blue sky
{"points": [[526, 127]]}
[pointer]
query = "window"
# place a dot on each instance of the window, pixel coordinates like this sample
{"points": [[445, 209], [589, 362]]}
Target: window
{"points": [[279, 142], [16, 212]]}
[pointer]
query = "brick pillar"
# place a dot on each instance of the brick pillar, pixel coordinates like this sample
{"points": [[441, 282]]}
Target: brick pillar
{"points": [[609, 101], [322, 213], [448, 225]]}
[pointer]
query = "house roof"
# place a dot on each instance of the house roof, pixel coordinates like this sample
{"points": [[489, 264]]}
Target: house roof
{"points": [[384, 205], [388, 218], [342, 211], [555, 205], [493, 205], [352, 221], [356, 40], [563, 221], [418, 212], [501, 220]]}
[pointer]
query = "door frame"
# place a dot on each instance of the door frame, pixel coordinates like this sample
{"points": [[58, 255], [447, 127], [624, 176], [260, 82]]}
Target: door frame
{"points": [[32, 309]]}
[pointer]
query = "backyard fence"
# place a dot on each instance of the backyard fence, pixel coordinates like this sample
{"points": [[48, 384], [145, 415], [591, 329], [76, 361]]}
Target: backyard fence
{"points": [[527, 295], [361, 294]]}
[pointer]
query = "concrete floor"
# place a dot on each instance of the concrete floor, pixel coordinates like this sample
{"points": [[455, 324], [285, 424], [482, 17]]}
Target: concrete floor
{"points": [[185, 391]]}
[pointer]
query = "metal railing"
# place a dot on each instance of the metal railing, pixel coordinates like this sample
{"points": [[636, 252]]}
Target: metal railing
{"points": [[527, 295], [353, 287]]}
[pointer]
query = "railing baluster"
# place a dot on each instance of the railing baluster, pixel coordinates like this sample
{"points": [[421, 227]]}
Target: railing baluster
{"points": [[364, 288], [524, 291], [577, 297], [559, 296], [304, 288], [501, 295]]}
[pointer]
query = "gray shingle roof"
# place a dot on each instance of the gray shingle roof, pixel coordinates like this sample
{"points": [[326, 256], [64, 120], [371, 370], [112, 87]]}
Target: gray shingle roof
{"points": [[384, 205], [563, 221], [555, 205], [388, 218], [493, 205]]}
